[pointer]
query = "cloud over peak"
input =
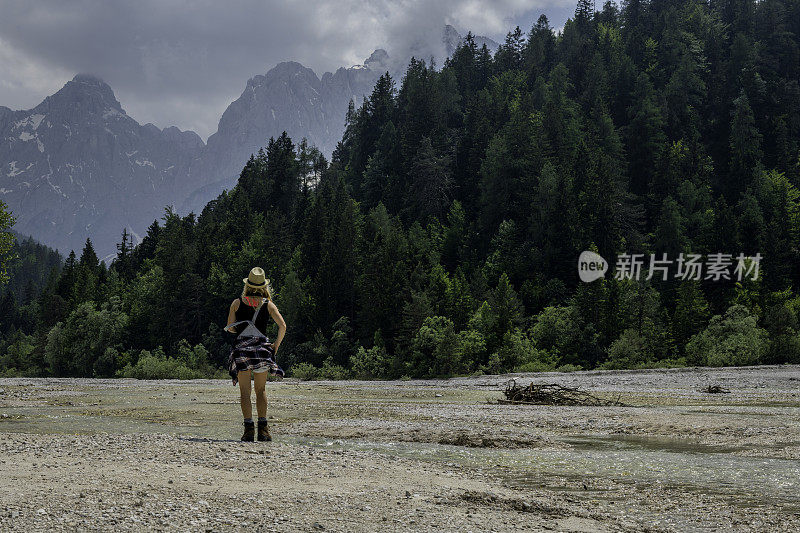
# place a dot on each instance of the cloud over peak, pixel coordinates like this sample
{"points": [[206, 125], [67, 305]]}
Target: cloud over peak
{"points": [[173, 62]]}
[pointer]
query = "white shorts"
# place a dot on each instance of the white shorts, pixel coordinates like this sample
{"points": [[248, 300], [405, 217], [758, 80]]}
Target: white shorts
{"points": [[260, 370]]}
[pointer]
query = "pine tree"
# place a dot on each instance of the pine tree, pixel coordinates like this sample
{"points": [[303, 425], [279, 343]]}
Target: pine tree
{"points": [[669, 235], [67, 278], [283, 173], [381, 182], [691, 313], [539, 52], [560, 117], [645, 136], [417, 113], [30, 292], [584, 13], [745, 147], [484, 66], [462, 64], [336, 271], [87, 276], [431, 185], [89, 257], [551, 223], [122, 263], [6, 240], [8, 312], [147, 248], [506, 305], [384, 275], [509, 56]]}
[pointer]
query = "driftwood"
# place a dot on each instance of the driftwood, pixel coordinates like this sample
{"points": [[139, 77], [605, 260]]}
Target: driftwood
{"points": [[715, 389], [553, 394]]}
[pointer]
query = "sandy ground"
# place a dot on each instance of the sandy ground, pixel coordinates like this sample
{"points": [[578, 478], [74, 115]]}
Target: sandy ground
{"points": [[81, 454]]}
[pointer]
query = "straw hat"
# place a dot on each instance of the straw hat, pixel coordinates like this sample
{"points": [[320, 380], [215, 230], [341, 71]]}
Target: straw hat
{"points": [[256, 279]]}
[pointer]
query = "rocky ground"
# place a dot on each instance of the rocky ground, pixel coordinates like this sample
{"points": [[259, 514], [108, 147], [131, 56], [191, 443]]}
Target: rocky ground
{"points": [[441, 455]]}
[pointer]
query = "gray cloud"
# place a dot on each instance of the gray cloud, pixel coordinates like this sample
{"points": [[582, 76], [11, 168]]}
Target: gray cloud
{"points": [[179, 62]]}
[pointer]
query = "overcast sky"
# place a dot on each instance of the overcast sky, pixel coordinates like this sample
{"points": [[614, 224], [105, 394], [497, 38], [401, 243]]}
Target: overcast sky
{"points": [[173, 62]]}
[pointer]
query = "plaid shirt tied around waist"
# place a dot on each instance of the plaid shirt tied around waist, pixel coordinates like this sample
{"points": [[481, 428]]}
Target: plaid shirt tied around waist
{"points": [[252, 353]]}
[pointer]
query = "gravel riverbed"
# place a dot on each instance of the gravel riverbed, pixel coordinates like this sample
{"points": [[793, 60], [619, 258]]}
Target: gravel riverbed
{"points": [[128, 455]]}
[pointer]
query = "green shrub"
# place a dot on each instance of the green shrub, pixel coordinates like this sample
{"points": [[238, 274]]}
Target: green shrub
{"points": [[730, 340], [569, 368], [332, 371], [519, 351], [17, 356], [157, 365], [105, 365], [783, 349], [535, 366], [627, 351], [195, 358], [435, 349], [782, 325], [677, 362], [370, 363], [560, 332], [74, 346], [309, 372], [470, 346], [304, 371]]}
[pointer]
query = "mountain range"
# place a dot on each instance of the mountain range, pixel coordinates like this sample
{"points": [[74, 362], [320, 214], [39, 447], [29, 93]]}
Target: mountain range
{"points": [[76, 166]]}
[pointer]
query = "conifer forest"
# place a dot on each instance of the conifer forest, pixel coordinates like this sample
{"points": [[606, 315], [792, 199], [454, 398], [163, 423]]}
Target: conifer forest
{"points": [[442, 237]]}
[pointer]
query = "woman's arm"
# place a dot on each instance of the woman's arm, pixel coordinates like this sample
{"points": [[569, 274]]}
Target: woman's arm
{"points": [[232, 313], [276, 316]]}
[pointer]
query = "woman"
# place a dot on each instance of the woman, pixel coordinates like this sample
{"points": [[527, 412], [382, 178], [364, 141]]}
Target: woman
{"points": [[253, 353]]}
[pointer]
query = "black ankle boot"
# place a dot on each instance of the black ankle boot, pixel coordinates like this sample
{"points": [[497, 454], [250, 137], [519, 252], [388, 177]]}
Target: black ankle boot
{"points": [[263, 430], [249, 431]]}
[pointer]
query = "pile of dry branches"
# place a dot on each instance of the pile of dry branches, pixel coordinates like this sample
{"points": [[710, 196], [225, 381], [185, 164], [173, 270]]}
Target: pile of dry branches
{"points": [[552, 394], [715, 389]]}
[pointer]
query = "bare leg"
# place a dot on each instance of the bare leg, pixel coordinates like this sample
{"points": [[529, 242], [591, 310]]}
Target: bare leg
{"points": [[244, 394], [260, 379]]}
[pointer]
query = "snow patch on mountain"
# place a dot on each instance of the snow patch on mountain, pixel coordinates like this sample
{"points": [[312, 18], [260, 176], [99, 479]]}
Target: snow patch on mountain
{"points": [[14, 171], [33, 121], [112, 113]]}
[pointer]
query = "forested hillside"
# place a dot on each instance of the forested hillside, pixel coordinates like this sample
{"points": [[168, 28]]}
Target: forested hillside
{"points": [[30, 266], [443, 236]]}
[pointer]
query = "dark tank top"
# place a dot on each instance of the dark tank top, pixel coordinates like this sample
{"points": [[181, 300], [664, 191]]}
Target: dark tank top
{"points": [[245, 312]]}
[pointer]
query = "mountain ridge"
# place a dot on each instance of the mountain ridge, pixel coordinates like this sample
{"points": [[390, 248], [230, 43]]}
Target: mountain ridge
{"points": [[77, 165]]}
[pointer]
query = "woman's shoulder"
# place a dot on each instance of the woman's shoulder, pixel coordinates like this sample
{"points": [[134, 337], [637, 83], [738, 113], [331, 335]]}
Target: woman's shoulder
{"points": [[235, 304]]}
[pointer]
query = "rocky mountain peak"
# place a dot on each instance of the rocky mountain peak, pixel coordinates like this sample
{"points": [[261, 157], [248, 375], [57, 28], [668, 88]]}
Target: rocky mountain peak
{"points": [[450, 34], [284, 72], [89, 79], [452, 39], [78, 166], [87, 93], [378, 60]]}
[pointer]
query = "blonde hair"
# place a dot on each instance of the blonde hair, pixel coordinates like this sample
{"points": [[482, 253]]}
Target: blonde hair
{"points": [[264, 292]]}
